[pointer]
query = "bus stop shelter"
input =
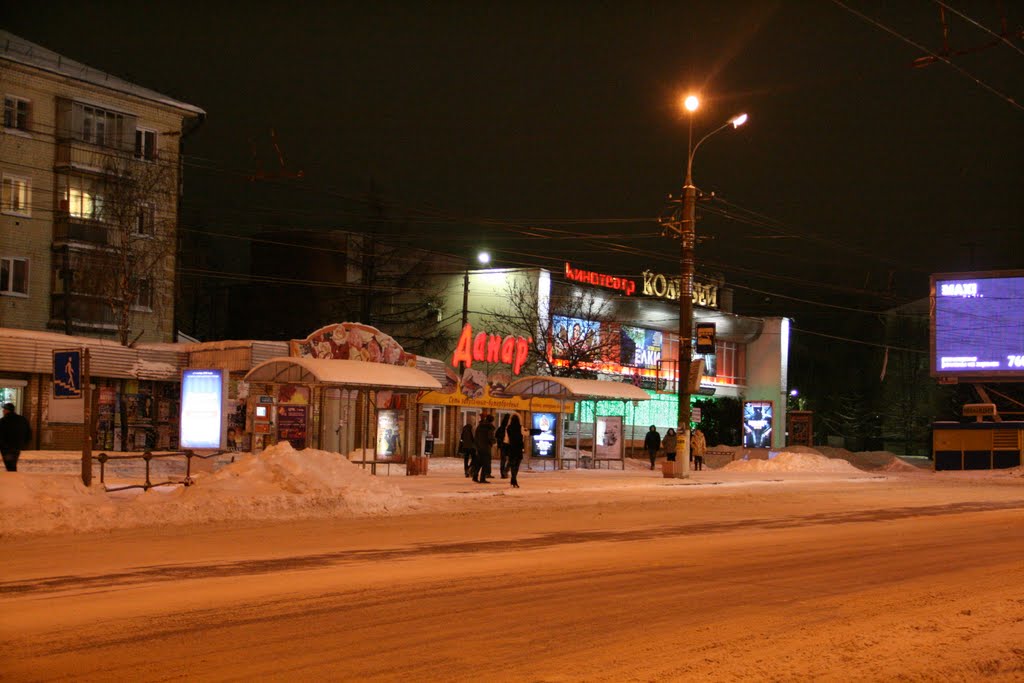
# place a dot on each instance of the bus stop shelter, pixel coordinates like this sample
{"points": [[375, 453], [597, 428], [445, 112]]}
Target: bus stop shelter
{"points": [[607, 440], [366, 410]]}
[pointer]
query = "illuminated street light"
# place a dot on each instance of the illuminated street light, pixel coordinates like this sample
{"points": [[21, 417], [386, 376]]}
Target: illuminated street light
{"points": [[687, 239], [483, 257]]}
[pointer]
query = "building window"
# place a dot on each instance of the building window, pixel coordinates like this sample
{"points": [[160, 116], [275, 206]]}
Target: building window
{"points": [[143, 294], [16, 195], [13, 275], [101, 127], [145, 144], [15, 113], [145, 221], [81, 198]]}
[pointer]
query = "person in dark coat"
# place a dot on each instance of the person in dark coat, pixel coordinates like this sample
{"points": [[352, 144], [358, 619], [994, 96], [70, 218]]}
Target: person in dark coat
{"points": [[514, 437], [14, 435], [484, 441], [652, 442], [503, 445], [467, 445]]}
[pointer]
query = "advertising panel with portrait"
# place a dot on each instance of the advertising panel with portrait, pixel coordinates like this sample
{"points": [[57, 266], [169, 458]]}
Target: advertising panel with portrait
{"points": [[543, 434], [757, 424]]}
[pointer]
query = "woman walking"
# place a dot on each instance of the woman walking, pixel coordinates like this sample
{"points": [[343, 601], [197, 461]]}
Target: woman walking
{"points": [[652, 442], [503, 445], [514, 439]]}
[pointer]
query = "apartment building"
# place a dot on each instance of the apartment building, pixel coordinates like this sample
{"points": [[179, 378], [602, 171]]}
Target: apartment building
{"points": [[91, 179]]}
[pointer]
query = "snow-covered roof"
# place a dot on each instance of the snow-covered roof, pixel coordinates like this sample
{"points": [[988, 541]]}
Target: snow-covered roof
{"points": [[572, 389], [356, 373], [16, 49]]}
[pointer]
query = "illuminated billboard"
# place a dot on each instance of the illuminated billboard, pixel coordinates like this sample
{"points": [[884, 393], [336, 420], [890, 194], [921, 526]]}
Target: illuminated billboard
{"points": [[640, 348], [202, 408], [977, 324]]}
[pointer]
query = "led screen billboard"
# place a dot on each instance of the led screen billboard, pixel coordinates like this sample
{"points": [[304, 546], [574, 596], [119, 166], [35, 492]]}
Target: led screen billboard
{"points": [[978, 324]]}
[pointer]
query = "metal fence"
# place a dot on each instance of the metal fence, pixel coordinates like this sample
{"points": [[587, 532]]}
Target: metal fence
{"points": [[149, 457]]}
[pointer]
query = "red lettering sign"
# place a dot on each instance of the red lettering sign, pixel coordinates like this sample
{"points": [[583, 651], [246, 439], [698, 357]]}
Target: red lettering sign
{"points": [[491, 348], [623, 284]]}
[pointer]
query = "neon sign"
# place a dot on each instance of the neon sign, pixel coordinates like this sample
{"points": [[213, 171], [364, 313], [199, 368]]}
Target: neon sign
{"points": [[667, 287], [622, 284], [491, 348]]}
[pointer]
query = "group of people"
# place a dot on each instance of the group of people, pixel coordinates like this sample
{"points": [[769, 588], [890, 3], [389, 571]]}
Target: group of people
{"points": [[653, 443], [475, 444]]}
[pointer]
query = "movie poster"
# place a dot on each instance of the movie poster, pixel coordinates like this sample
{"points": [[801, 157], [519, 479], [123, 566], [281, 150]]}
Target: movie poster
{"points": [[757, 424], [640, 348]]}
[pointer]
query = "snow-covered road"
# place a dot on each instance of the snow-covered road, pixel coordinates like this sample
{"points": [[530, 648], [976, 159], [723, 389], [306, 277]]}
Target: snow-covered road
{"points": [[902, 577]]}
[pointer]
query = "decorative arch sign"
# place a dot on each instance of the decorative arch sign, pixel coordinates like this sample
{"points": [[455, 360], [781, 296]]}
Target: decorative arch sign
{"points": [[491, 348]]}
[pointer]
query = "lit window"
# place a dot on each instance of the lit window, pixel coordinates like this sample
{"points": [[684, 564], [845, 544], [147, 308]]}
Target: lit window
{"points": [[145, 144], [13, 275], [16, 195], [81, 199], [15, 113]]}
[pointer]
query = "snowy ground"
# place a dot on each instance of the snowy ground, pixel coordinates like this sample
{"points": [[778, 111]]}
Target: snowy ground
{"points": [[47, 494], [294, 566]]}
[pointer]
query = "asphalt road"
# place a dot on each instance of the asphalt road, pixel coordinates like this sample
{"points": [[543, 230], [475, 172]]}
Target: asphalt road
{"points": [[892, 580]]}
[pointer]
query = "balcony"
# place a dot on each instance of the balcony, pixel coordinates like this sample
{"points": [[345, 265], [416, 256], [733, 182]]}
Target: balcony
{"points": [[86, 312], [82, 156], [82, 230]]}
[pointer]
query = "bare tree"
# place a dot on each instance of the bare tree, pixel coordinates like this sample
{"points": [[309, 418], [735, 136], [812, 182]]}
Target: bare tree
{"points": [[572, 336], [133, 272]]}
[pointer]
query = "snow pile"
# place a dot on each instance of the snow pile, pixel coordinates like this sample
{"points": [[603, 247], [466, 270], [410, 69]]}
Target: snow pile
{"points": [[869, 460], [280, 483], [789, 461]]}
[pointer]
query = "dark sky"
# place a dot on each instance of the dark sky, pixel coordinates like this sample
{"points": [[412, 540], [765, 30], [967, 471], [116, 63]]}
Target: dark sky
{"points": [[863, 171]]}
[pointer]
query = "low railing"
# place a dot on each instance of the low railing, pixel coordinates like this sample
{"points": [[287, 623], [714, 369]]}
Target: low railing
{"points": [[148, 457]]}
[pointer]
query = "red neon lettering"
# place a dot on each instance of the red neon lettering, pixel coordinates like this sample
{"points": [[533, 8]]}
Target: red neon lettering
{"points": [[508, 349], [463, 353], [480, 346], [494, 348], [522, 351]]}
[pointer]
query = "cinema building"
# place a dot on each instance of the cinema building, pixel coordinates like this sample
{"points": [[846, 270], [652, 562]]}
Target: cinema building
{"points": [[634, 325]]}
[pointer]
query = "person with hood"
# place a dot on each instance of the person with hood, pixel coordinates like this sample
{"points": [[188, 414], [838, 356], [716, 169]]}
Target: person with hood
{"points": [[514, 438], [503, 445], [652, 442], [467, 445], [669, 444], [14, 435], [698, 447], [484, 438]]}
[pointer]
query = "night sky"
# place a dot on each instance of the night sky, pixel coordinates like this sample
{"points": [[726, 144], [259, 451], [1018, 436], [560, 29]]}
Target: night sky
{"points": [[490, 124]]}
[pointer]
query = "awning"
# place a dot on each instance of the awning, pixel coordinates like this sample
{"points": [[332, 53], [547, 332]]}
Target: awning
{"points": [[572, 389], [342, 373]]}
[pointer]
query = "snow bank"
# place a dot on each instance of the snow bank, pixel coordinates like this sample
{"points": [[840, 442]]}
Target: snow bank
{"points": [[280, 483], [790, 461]]}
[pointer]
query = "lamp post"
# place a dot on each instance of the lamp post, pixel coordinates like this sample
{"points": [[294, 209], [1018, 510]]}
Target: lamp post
{"points": [[687, 240], [483, 258]]}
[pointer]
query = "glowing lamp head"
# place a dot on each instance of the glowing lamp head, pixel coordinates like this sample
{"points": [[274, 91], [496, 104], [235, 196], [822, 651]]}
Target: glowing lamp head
{"points": [[483, 257], [794, 392], [691, 103], [739, 120]]}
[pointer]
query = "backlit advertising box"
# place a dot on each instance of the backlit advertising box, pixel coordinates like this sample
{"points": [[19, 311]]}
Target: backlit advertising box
{"points": [[757, 424], [543, 435], [202, 408], [977, 325]]}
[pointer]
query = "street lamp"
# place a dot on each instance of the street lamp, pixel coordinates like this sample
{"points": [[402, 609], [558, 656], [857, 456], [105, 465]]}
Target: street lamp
{"points": [[687, 239], [483, 258]]}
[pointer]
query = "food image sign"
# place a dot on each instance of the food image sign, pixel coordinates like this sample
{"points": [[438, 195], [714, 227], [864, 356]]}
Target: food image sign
{"points": [[352, 341]]}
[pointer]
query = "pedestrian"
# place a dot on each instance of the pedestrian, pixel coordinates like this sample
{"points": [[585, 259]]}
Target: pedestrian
{"points": [[502, 440], [698, 446], [652, 442], [484, 438], [669, 444], [14, 435], [514, 436], [467, 444]]}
